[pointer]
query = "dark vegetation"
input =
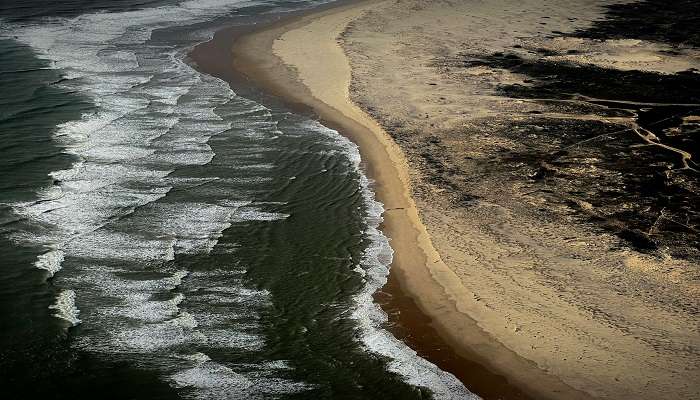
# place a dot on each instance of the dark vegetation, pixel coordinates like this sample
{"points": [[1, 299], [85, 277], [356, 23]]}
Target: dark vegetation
{"points": [[675, 22], [644, 189]]}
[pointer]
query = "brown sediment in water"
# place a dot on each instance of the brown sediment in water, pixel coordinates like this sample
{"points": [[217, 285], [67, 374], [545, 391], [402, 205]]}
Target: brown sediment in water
{"points": [[410, 325]]}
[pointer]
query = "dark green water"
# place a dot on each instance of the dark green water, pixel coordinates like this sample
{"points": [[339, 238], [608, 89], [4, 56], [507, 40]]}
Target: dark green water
{"points": [[30, 108], [163, 237]]}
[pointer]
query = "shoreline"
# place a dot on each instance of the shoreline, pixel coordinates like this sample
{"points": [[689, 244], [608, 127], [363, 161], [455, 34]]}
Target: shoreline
{"points": [[417, 273]]}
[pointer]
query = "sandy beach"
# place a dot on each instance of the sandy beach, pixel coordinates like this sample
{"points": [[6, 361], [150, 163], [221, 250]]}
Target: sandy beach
{"points": [[509, 268]]}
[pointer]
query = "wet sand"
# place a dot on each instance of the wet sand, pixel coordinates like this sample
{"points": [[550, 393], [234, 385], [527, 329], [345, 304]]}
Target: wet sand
{"points": [[517, 297]]}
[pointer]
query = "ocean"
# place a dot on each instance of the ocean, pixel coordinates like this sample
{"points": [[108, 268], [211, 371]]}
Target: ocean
{"points": [[163, 237]]}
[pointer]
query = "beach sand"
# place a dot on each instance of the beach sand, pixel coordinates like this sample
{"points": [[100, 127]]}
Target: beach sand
{"points": [[511, 276]]}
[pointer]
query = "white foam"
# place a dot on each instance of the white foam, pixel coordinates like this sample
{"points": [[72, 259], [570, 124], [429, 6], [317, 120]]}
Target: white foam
{"points": [[240, 340], [195, 227], [196, 357], [142, 308], [215, 381], [135, 323], [65, 307], [154, 337], [278, 364], [50, 261], [253, 214], [131, 298], [139, 93]]}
